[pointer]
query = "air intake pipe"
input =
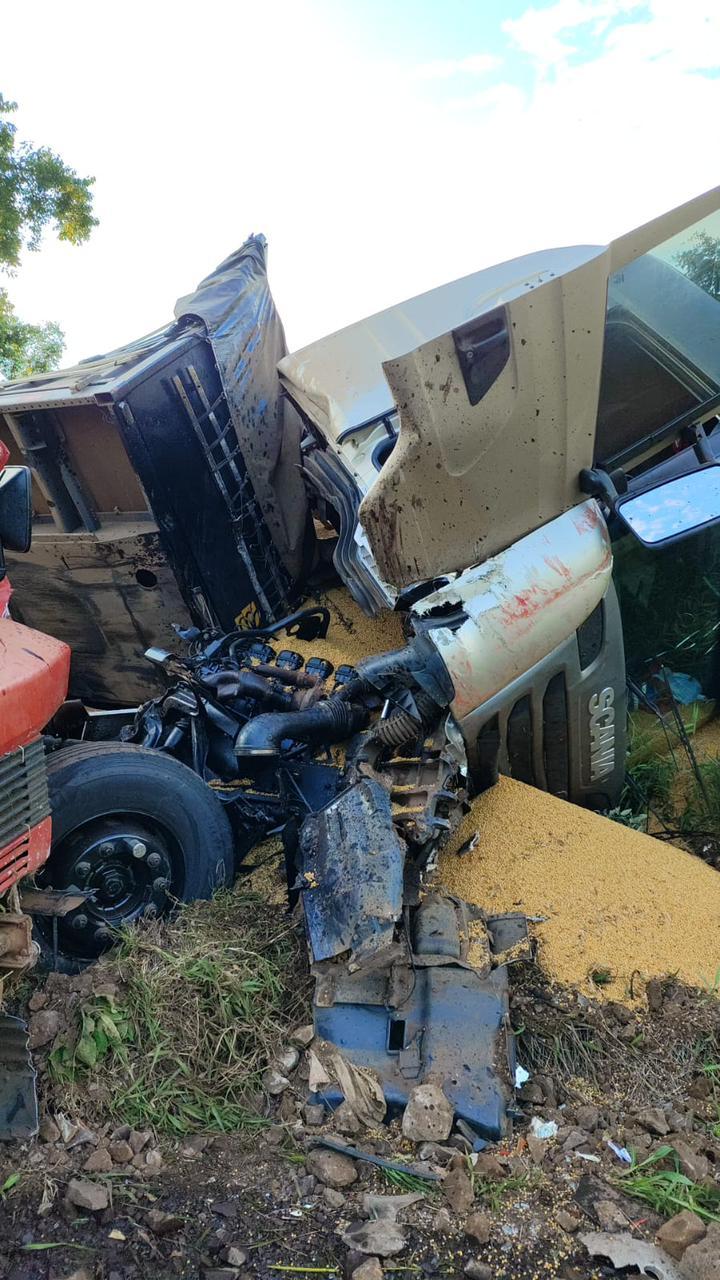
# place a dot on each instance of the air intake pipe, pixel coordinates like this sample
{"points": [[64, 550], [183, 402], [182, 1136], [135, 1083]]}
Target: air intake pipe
{"points": [[326, 722]]}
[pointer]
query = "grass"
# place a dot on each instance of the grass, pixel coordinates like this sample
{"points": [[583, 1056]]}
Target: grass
{"points": [[668, 1190], [408, 1182], [493, 1191], [202, 1005]]}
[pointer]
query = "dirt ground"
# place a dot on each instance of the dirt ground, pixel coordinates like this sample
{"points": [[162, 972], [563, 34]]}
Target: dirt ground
{"points": [[177, 1135], [247, 1203]]}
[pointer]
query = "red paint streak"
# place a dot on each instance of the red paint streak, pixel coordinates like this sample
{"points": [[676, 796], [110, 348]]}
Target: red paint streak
{"points": [[556, 564], [589, 520]]}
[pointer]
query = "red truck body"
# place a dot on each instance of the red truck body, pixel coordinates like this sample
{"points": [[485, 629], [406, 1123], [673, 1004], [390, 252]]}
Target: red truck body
{"points": [[34, 670]]}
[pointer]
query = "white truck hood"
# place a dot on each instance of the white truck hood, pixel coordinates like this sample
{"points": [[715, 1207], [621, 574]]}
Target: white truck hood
{"points": [[496, 379]]}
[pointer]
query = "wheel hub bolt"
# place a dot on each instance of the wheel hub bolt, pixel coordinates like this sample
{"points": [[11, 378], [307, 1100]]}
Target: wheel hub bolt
{"points": [[139, 849], [80, 922], [83, 870], [102, 933], [150, 911], [161, 884], [106, 849], [154, 861]]}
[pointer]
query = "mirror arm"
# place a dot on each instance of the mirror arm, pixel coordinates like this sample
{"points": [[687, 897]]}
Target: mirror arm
{"points": [[608, 486], [697, 437]]}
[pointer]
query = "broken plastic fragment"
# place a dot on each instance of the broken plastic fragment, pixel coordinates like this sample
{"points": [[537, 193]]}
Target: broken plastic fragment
{"points": [[543, 1129], [521, 1076], [622, 1153]]}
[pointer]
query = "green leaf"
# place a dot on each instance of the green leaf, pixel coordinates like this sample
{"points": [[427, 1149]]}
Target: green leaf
{"points": [[9, 1183], [86, 1051]]}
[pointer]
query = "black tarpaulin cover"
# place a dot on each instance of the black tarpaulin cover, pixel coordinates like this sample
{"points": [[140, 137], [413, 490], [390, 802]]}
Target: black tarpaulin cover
{"points": [[236, 306]]}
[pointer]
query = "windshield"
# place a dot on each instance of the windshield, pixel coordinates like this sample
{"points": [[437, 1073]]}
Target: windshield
{"points": [[661, 354]]}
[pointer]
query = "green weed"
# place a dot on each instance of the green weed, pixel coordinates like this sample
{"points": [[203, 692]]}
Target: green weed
{"points": [[202, 1003], [667, 1190]]}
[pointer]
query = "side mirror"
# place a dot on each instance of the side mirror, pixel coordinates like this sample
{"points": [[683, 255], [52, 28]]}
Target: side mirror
{"points": [[15, 509], [674, 509]]}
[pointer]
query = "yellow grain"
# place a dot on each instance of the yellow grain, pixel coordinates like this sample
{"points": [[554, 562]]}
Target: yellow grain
{"points": [[614, 899]]}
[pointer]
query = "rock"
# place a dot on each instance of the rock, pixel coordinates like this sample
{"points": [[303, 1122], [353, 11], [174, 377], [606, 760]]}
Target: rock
{"points": [[531, 1092], [304, 1035], [694, 1165], [38, 1001], [87, 1195], [442, 1222], [678, 1233], [654, 1120], [121, 1134], [221, 1273], [335, 1199], [164, 1224], [43, 1027], [331, 1168], [576, 1138], [701, 1261], [567, 1220], [121, 1152], [235, 1257], [435, 1153], [389, 1207], [654, 994], [489, 1167], [547, 1084], [382, 1238], [477, 1270], [314, 1114], [225, 1208], [428, 1116], [307, 1186], [458, 1191], [153, 1159], [537, 1149], [138, 1139], [49, 1131], [610, 1216], [370, 1269], [587, 1118], [345, 1120], [287, 1060], [274, 1082], [478, 1227], [100, 1161]]}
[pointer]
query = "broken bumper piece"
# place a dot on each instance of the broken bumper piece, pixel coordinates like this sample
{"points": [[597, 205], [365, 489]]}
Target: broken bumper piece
{"points": [[18, 1096], [405, 984]]}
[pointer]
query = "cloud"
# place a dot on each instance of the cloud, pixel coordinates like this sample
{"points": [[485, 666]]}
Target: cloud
{"points": [[370, 185], [476, 64], [542, 34]]}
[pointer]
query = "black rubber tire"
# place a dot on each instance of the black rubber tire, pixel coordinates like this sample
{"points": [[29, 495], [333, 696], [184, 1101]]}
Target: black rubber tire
{"points": [[90, 780]]}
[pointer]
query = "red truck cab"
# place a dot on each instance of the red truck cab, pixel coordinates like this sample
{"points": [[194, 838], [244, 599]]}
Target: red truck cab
{"points": [[34, 670]]}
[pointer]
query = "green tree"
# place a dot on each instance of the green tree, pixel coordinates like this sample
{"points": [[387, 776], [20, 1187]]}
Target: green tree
{"points": [[37, 190], [27, 348], [701, 262]]}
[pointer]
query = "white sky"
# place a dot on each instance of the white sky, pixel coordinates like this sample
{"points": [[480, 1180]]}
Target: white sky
{"points": [[382, 148]]}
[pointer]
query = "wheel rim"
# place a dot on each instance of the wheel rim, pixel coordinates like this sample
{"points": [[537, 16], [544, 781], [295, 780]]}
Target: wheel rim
{"points": [[128, 869]]}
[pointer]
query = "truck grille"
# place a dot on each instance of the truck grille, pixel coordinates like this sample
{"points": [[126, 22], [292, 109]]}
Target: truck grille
{"points": [[24, 803]]}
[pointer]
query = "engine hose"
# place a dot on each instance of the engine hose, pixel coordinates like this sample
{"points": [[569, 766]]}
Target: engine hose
{"points": [[401, 725], [326, 722]]}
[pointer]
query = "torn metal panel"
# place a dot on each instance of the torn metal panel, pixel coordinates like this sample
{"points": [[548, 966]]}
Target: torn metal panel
{"points": [[18, 1096], [352, 875], [521, 604], [496, 423], [452, 1027]]}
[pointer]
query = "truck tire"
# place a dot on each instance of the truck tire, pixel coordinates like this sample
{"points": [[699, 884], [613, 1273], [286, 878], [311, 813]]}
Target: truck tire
{"points": [[135, 830]]}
